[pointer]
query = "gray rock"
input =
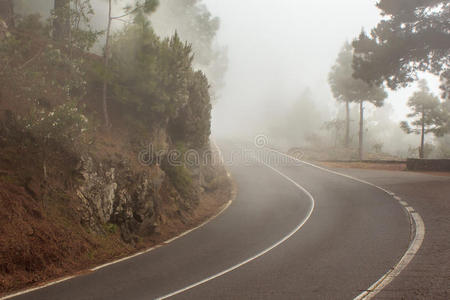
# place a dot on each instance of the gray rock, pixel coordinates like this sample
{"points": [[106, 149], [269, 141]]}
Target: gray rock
{"points": [[110, 192]]}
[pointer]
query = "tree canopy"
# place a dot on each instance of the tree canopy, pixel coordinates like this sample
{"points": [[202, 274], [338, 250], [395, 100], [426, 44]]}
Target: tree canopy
{"points": [[426, 111], [426, 115], [347, 88], [194, 23], [414, 36], [154, 78]]}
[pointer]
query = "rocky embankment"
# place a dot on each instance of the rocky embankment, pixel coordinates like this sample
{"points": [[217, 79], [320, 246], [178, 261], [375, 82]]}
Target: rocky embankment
{"points": [[94, 206]]}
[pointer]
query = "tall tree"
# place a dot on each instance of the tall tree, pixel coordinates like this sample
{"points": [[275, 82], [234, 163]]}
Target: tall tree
{"points": [[426, 114], [61, 20], [366, 93], [413, 36], [338, 80], [348, 89], [7, 12], [194, 23], [140, 8]]}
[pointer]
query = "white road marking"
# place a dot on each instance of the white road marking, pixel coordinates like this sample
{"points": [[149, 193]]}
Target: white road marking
{"points": [[416, 242], [225, 207], [401, 265], [299, 226], [37, 288], [165, 242], [368, 294]]}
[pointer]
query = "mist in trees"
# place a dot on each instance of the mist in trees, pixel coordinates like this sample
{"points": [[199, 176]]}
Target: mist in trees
{"points": [[348, 89], [152, 80], [262, 78], [426, 115], [193, 22], [297, 123], [413, 37]]}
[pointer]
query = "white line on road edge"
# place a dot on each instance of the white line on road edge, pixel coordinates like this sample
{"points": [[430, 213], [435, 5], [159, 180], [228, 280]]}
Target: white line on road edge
{"points": [[417, 226], [299, 226], [122, 259], [38, 287], [224, 208]]}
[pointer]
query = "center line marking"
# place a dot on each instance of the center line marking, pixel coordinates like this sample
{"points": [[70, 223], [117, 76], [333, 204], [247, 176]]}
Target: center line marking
{"points": [[299, 226]]}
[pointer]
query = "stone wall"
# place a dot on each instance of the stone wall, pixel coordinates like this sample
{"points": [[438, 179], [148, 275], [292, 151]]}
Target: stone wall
{"points": [[437, 165]]}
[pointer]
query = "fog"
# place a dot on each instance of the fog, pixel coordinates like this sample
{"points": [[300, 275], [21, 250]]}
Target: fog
{"points": [[277, 51], [268, 64]]}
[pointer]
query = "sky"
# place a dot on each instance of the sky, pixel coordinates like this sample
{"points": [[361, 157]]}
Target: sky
{"points": [[278, 48]]}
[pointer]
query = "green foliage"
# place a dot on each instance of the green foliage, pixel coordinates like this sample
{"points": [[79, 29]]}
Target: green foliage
{"points": [[151, 79], [347, 88], [40, 66], [194, 23], [426, 111], [413, 36], [154, 78], [149, 75], [181, 179], [110, 228], [63, 124], [49, 81], [193, 123]]}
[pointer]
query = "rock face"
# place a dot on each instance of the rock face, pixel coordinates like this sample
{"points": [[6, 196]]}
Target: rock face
{"points": [[110, 192]]}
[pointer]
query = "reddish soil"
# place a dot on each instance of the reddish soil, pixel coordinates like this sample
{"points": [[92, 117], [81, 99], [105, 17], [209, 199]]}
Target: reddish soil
{"points": [[41, 238], [40, 242]]}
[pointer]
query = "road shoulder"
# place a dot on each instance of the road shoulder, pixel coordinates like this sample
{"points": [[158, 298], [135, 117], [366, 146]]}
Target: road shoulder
{"points": [[428, 275]]}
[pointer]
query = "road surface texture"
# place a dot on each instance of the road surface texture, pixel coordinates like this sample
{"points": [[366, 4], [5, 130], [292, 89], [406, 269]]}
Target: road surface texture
{"points": [[428, 275], [354, 235]]}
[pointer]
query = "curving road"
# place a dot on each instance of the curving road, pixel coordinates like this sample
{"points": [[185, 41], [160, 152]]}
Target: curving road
{"points": [[293, 232]]}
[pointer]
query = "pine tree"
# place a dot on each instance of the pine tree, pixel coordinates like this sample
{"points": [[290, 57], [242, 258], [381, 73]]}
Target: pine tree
{"points": [[426, 114], [138, 10], [413, 36], [349, 89]]}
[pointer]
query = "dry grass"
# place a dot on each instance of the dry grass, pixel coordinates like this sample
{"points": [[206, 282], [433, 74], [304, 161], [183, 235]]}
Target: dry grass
{"points": [[39, 245]]}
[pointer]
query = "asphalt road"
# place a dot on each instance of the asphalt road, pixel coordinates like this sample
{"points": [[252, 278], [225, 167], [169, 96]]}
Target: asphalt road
{"points": [[428, 274], [354, 234]]}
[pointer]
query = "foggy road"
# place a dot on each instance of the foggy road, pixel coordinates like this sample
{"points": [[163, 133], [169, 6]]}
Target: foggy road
{"points": [[293, 232]]}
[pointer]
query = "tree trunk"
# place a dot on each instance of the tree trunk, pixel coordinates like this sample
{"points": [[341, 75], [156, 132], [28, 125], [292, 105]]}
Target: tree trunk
{"points": [[361, 129], [347, 124], [422, 138], [106, 66], [7, 12], [61, 23]]}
